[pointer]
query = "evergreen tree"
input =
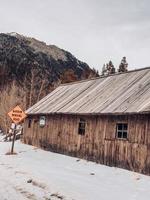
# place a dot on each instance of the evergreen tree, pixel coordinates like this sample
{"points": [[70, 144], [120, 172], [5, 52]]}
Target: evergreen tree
{"points": [[123, 67], [96, 72], [110, 68]]}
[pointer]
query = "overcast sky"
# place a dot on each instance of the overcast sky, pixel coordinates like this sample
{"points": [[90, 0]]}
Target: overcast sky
{"points": [[95, 31]]}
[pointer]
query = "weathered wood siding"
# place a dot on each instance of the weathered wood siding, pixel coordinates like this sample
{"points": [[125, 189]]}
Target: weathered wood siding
{"points": [[99, 143]]}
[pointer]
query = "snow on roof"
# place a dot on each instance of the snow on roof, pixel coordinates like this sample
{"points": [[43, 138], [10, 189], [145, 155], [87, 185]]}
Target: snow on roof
{"points": [[115, 94]]}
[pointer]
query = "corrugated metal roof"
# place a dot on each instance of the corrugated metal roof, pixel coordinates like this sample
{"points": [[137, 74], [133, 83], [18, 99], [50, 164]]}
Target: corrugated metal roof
{"points": [[121, 93]]}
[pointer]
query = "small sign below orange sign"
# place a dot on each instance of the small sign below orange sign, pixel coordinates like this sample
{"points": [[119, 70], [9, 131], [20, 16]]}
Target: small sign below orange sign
{"points": [[17, 115]]}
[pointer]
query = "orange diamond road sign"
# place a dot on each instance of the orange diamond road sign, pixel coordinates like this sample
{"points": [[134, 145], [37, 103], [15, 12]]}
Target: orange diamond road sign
{"points": [[17, 115]]}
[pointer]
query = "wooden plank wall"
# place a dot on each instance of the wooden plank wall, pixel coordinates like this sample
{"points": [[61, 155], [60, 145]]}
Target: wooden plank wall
{"points": [[99, 143]]}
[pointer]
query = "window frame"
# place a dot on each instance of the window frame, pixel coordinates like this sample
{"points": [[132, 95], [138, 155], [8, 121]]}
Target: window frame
{"points": [[29, 123], [81, 126], [123, 131]]}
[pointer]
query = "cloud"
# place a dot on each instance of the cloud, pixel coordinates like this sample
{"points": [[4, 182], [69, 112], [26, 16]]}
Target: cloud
{"points": [[93, 30]]}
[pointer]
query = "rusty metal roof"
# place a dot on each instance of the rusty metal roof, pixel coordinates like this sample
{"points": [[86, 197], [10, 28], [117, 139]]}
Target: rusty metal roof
{"points": [[116, 94]]}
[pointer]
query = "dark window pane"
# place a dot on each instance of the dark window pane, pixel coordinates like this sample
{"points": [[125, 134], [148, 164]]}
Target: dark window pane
{"points": [[125, 127], [81, 128], [124, 134], [82, 125], [81, 131], [29, 123], [120, 126], [119, 134]]}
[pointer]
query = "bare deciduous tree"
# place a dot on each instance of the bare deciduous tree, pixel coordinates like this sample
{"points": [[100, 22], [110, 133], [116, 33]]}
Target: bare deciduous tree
{"points": [[8, 99]]}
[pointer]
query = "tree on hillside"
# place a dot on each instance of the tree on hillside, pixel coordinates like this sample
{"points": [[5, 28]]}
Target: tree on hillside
{"points": [[123, 67], [68, 76], [88, 74], [8, 99], [35, 86], [96, 72], [108, 68]]}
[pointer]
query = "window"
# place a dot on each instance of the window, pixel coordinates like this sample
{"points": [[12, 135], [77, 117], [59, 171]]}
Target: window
{"points": [[29, 123], [81, 129], [122, 131]]}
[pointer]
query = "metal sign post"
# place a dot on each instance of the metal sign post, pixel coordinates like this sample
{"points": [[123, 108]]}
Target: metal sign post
{"points": [[13, 141]]}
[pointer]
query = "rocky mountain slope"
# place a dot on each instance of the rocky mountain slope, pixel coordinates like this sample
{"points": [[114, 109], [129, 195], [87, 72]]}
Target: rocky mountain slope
{"points": [[29, 69]]}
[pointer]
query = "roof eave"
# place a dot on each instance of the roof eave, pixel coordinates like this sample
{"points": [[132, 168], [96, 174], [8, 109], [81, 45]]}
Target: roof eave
{"points": [[91, 114]]}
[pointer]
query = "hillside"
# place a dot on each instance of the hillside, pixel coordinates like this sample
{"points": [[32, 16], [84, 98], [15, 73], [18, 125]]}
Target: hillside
{"points": [[29, 69]]}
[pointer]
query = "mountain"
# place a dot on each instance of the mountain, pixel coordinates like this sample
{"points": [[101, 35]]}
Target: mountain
{"points": [[30, 69]]}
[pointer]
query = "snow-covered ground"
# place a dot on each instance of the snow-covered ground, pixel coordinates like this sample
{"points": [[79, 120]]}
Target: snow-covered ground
{"points": [[53, 176]]}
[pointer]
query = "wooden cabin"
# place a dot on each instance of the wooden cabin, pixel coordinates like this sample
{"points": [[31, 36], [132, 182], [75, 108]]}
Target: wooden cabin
{"points": [[106, 120]]}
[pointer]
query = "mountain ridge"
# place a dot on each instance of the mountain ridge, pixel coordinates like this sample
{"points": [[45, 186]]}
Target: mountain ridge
{"points": [[30, 69]]}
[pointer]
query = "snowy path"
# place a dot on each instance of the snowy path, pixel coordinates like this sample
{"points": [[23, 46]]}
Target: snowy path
{"points": [[56, 177]]}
